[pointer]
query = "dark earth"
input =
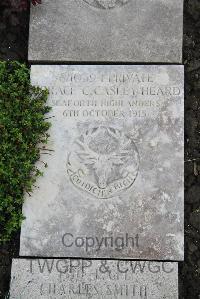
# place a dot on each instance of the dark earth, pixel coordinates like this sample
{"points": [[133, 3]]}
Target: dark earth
{"points": [[14, 24]]}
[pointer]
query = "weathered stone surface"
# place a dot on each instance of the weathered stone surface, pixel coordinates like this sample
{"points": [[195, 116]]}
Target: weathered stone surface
{"points": [[73, 279], [107, 30], [114, 182]]}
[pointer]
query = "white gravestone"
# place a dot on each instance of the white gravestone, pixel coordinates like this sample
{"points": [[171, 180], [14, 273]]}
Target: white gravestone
{"points": [[114, 182], [107, 30], [74, 279]]}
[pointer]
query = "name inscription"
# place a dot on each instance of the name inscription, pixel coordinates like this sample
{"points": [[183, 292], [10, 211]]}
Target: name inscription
{"points": [[91, 279], [115, 95]]}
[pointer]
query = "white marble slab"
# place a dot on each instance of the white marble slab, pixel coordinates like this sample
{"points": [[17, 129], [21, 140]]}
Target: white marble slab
{"points": [[74, 279], [107, 30], [114, 182]]}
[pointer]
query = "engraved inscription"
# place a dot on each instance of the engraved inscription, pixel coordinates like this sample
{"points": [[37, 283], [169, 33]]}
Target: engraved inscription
{"points": [[104, 162], [106, 4]]}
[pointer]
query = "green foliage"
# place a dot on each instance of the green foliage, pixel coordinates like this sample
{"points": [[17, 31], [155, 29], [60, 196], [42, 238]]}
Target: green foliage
{"points": [[22, 128]]}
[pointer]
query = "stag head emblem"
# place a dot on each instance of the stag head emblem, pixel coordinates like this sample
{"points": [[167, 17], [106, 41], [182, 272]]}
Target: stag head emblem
{"points": [[106, 4], [104, 153], [104, 162]]}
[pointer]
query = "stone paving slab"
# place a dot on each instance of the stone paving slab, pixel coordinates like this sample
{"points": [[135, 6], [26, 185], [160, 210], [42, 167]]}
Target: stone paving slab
{"points": [[73, 279], [113, 187], [107, 30]]}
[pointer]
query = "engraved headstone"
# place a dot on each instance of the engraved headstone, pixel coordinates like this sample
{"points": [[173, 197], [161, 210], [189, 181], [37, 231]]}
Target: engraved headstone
{"points": [[73, 279], [107, 30], [114, 182]]}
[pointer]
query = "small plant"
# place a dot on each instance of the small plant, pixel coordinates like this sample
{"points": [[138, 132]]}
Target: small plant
{"points": [[22, 128]]}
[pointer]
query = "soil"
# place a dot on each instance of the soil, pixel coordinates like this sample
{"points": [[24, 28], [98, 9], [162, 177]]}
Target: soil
{"points": [[14, 24]]}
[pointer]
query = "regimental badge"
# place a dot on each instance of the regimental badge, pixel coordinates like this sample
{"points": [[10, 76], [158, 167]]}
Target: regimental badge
{"points": [[103, 162], [106, 4]]}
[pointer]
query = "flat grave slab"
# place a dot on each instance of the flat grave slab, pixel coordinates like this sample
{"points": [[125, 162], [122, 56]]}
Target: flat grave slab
{"points": [[73, 279], [113, 187], [107, 30]]}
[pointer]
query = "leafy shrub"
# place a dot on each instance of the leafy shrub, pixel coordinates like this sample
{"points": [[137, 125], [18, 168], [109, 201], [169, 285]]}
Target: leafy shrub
{"points": [[22, 128]]}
